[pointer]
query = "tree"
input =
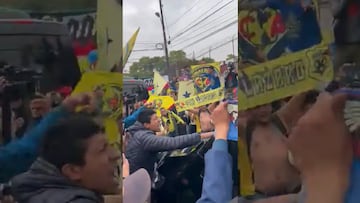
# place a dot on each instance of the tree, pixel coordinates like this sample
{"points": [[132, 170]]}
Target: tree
{"points": [[231, 57], [177, 59], [145, 67], [207, 60]]}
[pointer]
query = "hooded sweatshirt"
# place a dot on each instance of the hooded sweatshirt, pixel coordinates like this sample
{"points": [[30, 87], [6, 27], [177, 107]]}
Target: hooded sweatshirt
{"points": [[143, 146], [44, 183]]}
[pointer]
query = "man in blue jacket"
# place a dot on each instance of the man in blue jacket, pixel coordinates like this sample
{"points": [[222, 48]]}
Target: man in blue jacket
{"points": [[130, 120], [17, 156], [218, 163]]}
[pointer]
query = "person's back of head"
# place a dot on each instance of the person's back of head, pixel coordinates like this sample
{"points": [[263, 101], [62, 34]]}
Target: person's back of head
{"points": [[78, 148]]}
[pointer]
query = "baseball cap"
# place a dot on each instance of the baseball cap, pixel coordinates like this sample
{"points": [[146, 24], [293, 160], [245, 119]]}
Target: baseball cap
{"points": [[137, 187]]}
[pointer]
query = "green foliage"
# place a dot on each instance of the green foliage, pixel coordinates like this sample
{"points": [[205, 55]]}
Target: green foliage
{"points": [[145, 66], [207, 60], [231, 57], [177, 59]]}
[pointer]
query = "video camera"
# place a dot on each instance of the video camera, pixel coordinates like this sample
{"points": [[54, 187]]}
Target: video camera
{"points": [[21, 84], [130, 99], [21, 81]]}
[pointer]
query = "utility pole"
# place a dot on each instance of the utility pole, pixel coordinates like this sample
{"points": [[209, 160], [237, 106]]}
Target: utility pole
{"points": [[210, 52], [161, 16]]}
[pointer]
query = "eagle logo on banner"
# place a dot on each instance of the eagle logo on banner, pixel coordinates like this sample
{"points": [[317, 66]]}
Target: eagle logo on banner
{"points": [[109, 101]]}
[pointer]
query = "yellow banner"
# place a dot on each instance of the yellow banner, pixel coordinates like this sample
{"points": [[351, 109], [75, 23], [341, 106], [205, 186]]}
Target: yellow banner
{"points": [[202, 68], [286, 76], [265, 33], [110, 103], [200, 100], [201, 76], [186, 89], [161, 101]]}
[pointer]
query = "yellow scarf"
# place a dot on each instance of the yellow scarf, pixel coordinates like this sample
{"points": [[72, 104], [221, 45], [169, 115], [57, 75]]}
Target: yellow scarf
{"points": [[197, 123], [247, 187]]}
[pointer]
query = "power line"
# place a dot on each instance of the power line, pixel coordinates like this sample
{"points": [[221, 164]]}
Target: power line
{"points": [[203, 19], [196, 22], [207, 30], [145, 42], [218, 42], [209, 23], [187, 11], [209, 35], [142, 50], [201, 14], [217, 47]]}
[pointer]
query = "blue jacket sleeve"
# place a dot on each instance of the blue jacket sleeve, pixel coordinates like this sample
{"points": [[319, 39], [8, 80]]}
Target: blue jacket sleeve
{"points": [[217, 184], [17, 156], [353, 195], [130, 120]]}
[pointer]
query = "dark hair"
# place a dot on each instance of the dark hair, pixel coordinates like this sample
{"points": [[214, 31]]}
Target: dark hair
{"points": [[64, 143], [145, 116]]}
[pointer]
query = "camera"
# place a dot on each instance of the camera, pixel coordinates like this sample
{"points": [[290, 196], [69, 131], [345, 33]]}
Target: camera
{"points": [[21, 81], [130, 99]]}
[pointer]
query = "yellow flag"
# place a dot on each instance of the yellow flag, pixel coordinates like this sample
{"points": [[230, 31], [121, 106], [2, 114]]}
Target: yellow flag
{"points": [[161, 101], [129, 47], [186, 89], [159, 83], [110, 103], [109, 34]]}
